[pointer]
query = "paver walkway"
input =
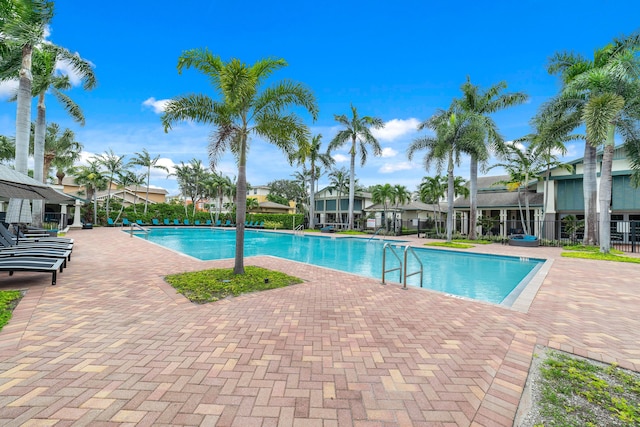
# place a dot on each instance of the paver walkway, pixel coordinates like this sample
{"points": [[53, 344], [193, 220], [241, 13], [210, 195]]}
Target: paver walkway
{"points": [[113, 344]]}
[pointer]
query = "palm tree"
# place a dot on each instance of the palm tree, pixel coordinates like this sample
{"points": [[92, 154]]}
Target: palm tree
{"points": [[606, 92], [22, 24], [482, 103], [60, 151], [125, 179], [92, 178], [245, 109], [431, 190], [356, 131], [198, 174], [113, 164], [224, 187], [383, 194], [7, 149], [401, 195], [339, 183], [252, 204], [455, 133], [523, 165], [144, 159], [183, 175]]}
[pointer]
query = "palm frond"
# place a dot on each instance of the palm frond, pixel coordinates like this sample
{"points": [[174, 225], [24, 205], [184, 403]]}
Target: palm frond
{"points": [[195, 107]]}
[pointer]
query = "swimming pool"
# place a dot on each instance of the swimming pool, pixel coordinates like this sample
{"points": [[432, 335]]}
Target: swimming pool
{"points": [[488, 278]]}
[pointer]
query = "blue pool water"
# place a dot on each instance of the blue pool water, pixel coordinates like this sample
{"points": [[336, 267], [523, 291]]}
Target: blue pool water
{"points": [[484, 277]]}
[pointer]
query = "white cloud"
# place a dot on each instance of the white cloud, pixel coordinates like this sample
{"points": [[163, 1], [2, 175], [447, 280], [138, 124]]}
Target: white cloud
{"points": [[8, 88], [158, 105], [388, 152], [394, 167], [396, 128], [340, 158]]}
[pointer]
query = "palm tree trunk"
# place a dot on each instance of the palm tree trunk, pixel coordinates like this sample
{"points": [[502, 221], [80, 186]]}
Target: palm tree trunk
{"points": [[312, 198], [589, 183], [352, 183], [23, 111], [241, 207], [473, 195], [546, 197], [524, 226], [526, 205], [605, 191], [450, 194], [146, 201], [38, 158]]}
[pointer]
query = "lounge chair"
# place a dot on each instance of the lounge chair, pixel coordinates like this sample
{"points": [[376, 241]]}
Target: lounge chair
{"points": [[186, 222], [166, 221], [30, 244], [140, 223], [261, 225], [249, 224], [36, 264], [328, 229], [218, 223], [196, 222], [524, 240], [12, 239], [125, 222], [208, 222], [227, 223], [62, 254], [155, 221], [176, 222], [110, 222]]}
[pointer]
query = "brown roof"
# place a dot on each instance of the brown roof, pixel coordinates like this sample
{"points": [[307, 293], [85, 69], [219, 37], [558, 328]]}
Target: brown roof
{"points": [[500, 199]]}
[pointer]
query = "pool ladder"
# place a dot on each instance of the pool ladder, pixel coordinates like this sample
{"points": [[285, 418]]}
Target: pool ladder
{"points": [[407, 250], [135, 225], [299, 230]]}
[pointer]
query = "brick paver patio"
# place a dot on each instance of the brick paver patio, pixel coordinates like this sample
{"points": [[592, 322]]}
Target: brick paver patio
{"points": [[113, 344]]}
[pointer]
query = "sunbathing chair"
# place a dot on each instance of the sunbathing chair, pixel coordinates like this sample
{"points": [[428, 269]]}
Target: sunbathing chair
{"points": [[196, 222], [176, 222], [155, 221], [28, 243], [218, 223], [166, 221], [62, 254], [110, 222], [140, 223], [9, 237], [261, 225], [125, 222], [208, 222], [186, 222], [227, 224], [36, 264]]}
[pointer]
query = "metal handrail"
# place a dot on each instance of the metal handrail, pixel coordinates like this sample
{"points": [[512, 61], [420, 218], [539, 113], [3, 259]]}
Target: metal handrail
{"points": [[384, 262], [135, 224], [408, 250], [299, 230], [376, 233]]}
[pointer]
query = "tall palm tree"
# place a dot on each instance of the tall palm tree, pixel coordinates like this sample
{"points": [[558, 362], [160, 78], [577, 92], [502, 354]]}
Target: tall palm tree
{"points": [[338, 182], [356, 132], [483, 103], [113, 164], [224, 188], [198, 174], [22, 24], [60, 151], [144, 159], [93, 179], [431, 190], [455, 133], [401, 195], [606, 92], [245, 108], [183, 175], [523, 165], [383, 194], [316, 158]]}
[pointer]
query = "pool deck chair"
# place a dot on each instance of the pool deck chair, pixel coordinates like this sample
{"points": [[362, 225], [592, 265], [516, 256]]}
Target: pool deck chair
{"points": [[166, 221], [125, 222], [62, 254], [218, 223], [227, 224], [44, 241], [176, 222], [140, 223], [186, 222], [110, 222], [35, 264], [196, 222], [261, 225], [155, 221]]}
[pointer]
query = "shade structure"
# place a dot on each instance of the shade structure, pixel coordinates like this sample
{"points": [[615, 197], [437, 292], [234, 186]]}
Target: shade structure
{"points": [[17, 185], [19, 211]]}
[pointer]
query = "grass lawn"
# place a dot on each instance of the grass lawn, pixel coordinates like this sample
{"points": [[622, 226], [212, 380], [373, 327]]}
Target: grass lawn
{"points": [[354, 232], [8, 301], [593, 252], [454, 245], [212, 285], [474, 242], [577, 392]]}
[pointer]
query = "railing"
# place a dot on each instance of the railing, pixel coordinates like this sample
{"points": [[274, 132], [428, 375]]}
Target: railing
{"points": [[376, 233], [299, 230], [135, 225], [408, 250], [384, 262]]}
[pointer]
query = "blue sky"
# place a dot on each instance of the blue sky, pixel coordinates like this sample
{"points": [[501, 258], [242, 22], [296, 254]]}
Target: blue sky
{"points": [[398, 61]]}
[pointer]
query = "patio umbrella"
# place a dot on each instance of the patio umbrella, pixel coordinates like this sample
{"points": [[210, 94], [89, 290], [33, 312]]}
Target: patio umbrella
{"points": [[18, 212]]}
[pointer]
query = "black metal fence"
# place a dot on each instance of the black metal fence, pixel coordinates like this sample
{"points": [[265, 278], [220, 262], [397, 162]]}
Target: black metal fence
{"points": [[625, 235]]}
